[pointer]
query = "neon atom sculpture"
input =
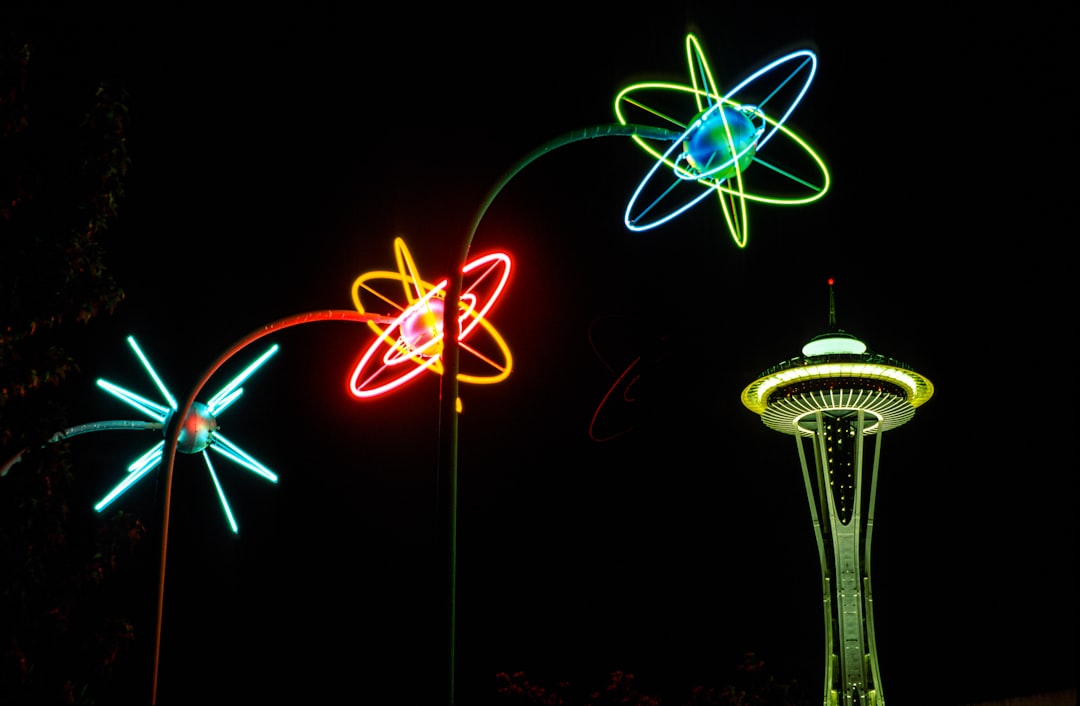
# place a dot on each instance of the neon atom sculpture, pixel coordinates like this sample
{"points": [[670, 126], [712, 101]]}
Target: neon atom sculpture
{"points": [[198, 430], [414, 341], [724, 136]]}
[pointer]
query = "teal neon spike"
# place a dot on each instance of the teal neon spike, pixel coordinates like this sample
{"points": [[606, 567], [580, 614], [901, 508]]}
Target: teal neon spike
{"points": [[198, 431], [150, 409], [218, 405], [221, 493], [150, 459], [720, 141], [119, 490], [222, 399], [230, 450], [150, 369]]}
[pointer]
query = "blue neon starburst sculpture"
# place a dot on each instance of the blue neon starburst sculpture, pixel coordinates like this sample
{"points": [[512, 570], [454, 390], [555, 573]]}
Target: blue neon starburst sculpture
{"points": [[199, 430]]}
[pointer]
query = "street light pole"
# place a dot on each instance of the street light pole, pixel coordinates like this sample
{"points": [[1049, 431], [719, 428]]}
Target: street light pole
{"points": [[451, 352]]}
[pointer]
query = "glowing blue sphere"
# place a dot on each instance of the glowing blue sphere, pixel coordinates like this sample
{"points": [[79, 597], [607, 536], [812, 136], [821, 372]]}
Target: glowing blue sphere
{"points": [[714, 145]]}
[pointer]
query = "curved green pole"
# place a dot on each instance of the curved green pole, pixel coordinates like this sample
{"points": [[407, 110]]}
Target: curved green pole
{"points": [[173, 435], [448, 391]]}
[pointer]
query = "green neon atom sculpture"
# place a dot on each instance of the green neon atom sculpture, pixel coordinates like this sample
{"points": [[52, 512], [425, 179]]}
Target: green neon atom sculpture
{"points": [[198, 430], [723, 137]]}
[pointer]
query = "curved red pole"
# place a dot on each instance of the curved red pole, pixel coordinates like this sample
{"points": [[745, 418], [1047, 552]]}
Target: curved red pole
{"points": [[173, 436]]}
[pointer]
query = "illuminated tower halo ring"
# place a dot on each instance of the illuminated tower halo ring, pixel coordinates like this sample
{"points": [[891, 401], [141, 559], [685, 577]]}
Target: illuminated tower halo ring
{"points": [[788, 395]]}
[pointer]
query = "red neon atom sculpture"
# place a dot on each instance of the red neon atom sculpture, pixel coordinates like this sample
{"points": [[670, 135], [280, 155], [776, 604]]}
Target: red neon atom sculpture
{"points": [[413, 342]]}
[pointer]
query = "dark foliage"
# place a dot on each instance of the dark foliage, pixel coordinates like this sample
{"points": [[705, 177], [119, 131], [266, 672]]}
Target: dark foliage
{"points": [[751, 685], [63, 634], [62, 163]]}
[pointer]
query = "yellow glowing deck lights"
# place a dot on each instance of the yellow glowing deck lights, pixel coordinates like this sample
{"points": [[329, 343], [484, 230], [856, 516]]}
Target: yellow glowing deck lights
{"points": [[836, 371], [722, 137], [413, 342], [198, 430]]}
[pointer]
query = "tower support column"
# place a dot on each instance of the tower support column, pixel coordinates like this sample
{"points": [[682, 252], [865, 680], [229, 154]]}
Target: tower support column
{"points": [[841, 509]]}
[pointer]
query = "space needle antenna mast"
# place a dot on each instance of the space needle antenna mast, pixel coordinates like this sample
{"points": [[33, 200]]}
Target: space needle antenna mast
{"points": [[832, 307], [833, 398]]}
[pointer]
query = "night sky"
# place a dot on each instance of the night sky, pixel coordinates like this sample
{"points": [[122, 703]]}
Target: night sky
{"points": [[276, 155]]}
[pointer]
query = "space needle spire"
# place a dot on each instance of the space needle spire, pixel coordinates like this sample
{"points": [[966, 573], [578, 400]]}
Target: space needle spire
{"points": [[831, 399], [832, 306]]}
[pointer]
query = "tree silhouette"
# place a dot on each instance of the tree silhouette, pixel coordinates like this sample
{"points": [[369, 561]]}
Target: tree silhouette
{"points": [[751, 685], [63, 160]]}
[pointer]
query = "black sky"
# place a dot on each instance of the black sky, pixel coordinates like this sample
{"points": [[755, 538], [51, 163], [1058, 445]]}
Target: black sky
{"points": [[275, 156]]}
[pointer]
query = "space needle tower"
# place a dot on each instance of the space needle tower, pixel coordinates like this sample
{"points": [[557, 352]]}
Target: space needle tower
{"points": [[832, 399]]}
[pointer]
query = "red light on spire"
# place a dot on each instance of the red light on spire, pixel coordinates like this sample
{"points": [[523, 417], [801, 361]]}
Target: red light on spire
{"points": [[831, 281]]}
